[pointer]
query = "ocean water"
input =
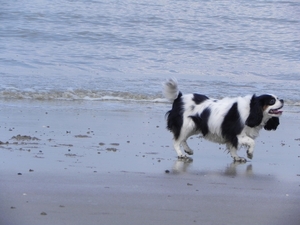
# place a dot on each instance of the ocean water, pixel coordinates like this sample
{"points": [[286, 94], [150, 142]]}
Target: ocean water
{"points": [[121, 51]]}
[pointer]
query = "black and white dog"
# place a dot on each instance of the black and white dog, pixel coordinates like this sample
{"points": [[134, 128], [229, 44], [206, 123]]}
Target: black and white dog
{"points": [[235, 122]]}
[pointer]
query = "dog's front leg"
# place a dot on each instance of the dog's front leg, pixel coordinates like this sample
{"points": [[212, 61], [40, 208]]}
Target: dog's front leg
{"points": [[235, 156], [250, 143]]}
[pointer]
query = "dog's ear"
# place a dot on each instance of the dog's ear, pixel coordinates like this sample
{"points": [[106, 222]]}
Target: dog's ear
{"points": [[256, 113], [272, 123]]}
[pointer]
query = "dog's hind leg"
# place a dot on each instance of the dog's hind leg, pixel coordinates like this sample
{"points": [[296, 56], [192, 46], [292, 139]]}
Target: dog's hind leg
{"points": [[185, 134], [186, 131], [186, 148], [181, 141], [177, 144]]}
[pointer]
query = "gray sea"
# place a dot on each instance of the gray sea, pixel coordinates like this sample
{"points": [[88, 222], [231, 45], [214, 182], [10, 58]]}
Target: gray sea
{"points": [[122, 51]]}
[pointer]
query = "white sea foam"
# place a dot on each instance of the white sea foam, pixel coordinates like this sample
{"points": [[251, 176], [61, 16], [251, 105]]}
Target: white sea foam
{"points": [[88, 95]]}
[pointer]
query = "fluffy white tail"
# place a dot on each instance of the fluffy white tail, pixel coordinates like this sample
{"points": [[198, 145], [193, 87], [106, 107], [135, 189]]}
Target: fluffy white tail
{"points": [[171, 89]]}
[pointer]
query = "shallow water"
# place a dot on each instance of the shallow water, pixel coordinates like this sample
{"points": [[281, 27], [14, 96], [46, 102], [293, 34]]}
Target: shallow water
{"points": [[111, 50]]}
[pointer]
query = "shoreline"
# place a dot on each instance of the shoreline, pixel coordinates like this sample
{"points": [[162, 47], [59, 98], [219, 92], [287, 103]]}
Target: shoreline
{"points": [[118, 166]]}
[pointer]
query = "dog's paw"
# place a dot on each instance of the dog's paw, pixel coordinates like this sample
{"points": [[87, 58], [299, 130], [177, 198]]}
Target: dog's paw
{"points": [[249, 155], [181, 156], [239, 159], [185, 159], [189, 152]]}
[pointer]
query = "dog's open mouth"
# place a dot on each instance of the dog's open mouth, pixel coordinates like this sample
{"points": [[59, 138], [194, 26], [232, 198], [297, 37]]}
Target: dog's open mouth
{"points": [[276, 111]]}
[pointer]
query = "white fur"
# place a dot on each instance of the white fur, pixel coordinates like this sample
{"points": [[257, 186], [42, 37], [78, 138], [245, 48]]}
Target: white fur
{"points": [[171, 89]]}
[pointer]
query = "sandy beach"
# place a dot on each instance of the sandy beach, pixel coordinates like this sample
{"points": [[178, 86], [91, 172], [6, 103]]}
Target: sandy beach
{"points": [[62, 163]]}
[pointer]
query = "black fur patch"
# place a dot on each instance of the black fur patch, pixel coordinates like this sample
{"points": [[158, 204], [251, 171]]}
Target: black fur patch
{"points": [[198, 99], [256, 113], [232, 125], [266, 100], [201, 121], [272, 123], [175, 117]]}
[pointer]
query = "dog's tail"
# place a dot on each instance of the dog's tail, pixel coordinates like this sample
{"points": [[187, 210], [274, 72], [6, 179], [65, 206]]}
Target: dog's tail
{"points": [[170, 90]]}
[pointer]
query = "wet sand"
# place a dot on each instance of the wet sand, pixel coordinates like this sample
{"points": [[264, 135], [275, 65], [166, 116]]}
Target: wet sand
{"points": [[71, 165]]}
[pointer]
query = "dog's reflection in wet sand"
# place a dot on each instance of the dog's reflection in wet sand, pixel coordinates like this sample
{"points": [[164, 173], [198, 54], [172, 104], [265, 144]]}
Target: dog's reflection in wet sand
{"points": [[182, 166]]}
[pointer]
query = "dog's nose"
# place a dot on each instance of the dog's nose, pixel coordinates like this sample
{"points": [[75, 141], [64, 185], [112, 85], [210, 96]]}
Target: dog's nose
{"points": [[281, 100]]}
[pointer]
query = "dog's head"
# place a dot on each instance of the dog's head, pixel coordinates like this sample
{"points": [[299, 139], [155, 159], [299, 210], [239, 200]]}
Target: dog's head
{"points": [[265, 109]]}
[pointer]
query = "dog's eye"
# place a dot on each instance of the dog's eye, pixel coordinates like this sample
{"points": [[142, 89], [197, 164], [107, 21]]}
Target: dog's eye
{"points": [[272, 101]]}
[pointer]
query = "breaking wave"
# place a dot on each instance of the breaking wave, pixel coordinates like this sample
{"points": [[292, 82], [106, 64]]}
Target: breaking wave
{"points": [[92, 95], [70, 95]]}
